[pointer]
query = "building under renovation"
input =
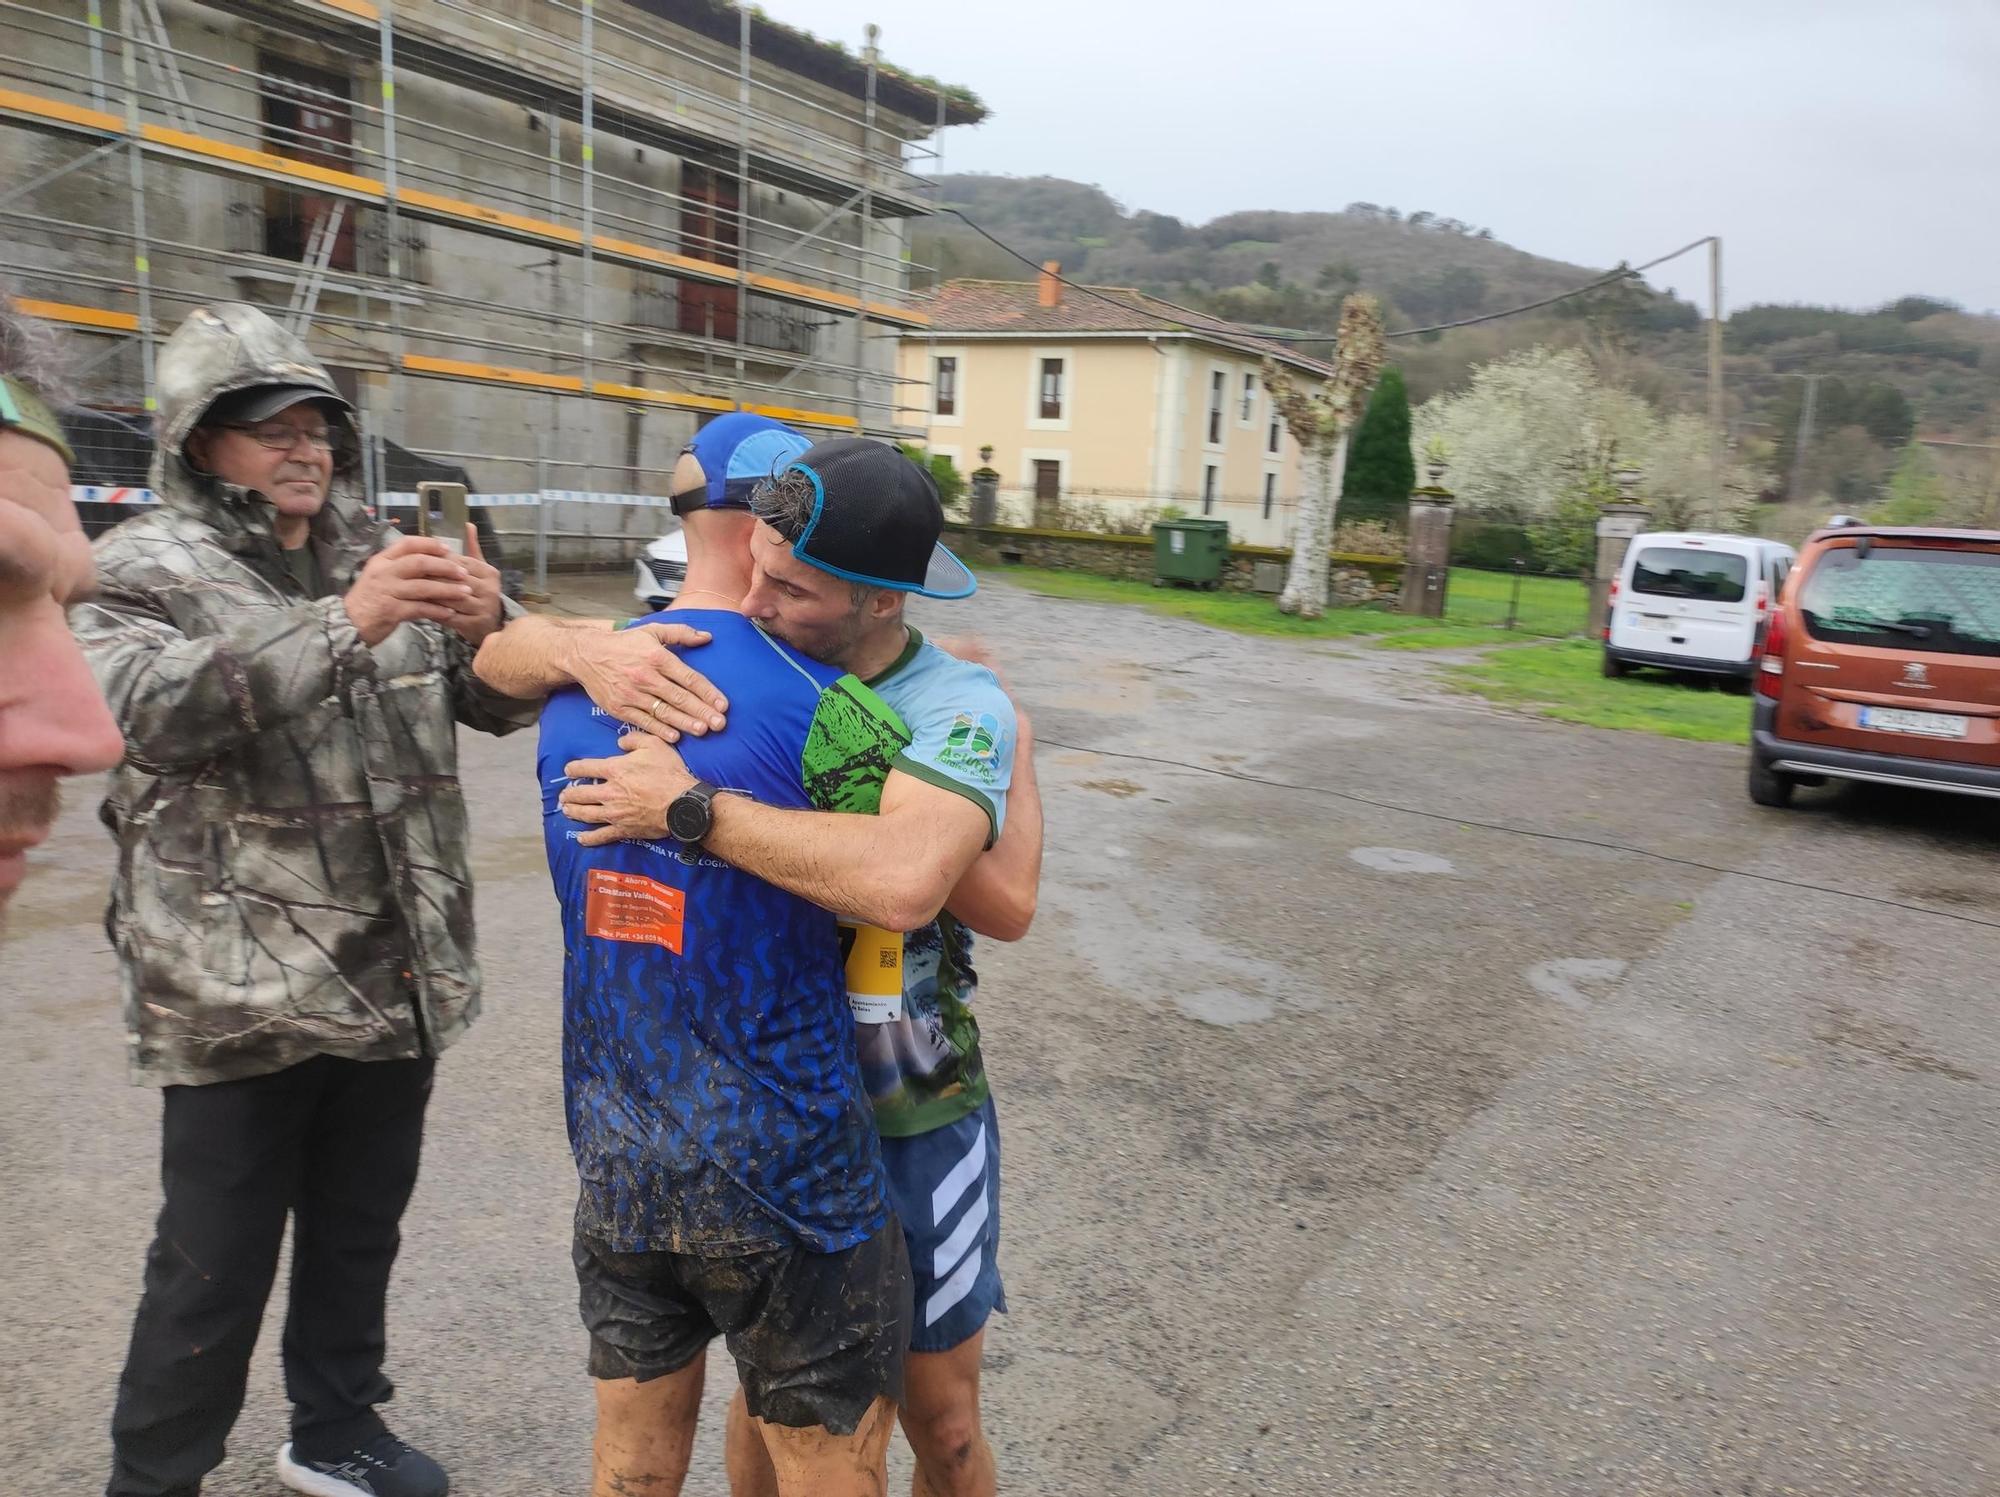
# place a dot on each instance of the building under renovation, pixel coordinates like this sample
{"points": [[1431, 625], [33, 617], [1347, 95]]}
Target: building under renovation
{"points": [[538, 238]]}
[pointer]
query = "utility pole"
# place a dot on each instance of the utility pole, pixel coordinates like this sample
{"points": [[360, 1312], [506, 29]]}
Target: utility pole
{"points": [[1804, 434], [1714, 369]]}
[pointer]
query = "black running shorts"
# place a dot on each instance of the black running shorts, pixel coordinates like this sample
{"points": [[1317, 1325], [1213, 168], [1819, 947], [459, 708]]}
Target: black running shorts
{"points": [[817, 1337]]}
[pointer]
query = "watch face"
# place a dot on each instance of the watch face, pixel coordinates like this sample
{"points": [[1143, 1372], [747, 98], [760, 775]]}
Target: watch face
{"points": [[687, 818]]}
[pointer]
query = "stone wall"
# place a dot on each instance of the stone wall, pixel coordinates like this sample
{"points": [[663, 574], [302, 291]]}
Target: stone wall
{"points": [[1355, 579]]}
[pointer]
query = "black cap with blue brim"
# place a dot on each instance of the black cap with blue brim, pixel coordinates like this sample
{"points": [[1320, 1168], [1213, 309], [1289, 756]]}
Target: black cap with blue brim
{"points": [[875, 519]]}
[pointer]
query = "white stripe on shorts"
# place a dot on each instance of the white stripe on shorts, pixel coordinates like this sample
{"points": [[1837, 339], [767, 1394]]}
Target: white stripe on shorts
{"points": [[955, 1184], [955, 1288], [962, 1237]]}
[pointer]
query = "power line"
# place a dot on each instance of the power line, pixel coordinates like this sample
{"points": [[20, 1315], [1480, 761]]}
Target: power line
{"points": [[1212, 323], [1301, 335]]}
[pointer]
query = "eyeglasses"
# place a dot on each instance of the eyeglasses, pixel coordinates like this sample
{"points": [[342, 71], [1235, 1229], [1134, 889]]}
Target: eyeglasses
{"points": [[277, 436]]}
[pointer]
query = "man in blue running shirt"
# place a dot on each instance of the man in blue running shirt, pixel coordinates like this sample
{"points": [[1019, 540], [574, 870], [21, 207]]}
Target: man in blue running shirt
{"points": [[850, 530], [730, 1173], [921, 1058]]}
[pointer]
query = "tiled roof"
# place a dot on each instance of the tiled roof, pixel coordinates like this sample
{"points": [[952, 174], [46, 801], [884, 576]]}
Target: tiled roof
{"points": [[1015, 307]]}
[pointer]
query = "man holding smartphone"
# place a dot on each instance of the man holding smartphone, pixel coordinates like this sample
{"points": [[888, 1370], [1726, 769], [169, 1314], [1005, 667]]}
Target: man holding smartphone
{"points": [[293, 904]]}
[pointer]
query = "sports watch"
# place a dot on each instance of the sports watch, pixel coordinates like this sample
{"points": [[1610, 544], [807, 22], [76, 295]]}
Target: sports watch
{"points": [[691, 813]]}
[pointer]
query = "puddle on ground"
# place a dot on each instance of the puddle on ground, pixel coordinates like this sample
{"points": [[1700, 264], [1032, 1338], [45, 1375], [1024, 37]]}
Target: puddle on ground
{"points": [[1161, 963], [1401, 860], [1117, 686], [1558, 980]]}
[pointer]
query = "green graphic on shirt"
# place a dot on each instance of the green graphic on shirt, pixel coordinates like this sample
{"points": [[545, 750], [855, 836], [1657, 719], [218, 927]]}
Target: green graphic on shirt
{"points": [[854, 736], [853, 742], [973, 746]]}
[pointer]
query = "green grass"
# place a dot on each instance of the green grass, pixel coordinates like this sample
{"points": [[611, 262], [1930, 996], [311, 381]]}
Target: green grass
{"points": [[1449, 636], [1245, 613], [1256, 613], [1553, 606], [1564, 680]]}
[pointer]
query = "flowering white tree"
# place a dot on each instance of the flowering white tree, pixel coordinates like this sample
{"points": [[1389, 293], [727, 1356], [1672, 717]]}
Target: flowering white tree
{"points": [[1530, 423], [1320, 420]]}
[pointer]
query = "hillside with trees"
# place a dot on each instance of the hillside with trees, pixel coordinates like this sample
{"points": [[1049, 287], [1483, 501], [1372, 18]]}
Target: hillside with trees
{"points": [[1918, 367]]}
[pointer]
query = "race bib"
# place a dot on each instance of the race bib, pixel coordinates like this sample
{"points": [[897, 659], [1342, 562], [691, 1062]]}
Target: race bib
{"points": [[874, 972], [628, 907]]}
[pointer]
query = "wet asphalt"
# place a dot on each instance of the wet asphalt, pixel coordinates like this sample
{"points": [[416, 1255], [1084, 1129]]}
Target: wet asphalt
{"points": [[1397, 1095]]}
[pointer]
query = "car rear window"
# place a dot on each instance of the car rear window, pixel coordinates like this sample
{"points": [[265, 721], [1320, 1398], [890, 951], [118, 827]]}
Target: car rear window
{"points": [[1905, 598], [1683, 572]]}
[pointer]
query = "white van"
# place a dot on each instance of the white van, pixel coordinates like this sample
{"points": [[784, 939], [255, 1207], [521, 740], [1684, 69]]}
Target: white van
{"points": [[1694, 602]]}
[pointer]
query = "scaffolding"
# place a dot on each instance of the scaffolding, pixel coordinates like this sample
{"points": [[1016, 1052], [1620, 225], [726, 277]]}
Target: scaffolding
{"points": [[712, 228]]}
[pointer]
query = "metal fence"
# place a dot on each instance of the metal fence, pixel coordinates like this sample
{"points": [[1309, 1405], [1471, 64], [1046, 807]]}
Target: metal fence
{"points": [[1555, 605]]}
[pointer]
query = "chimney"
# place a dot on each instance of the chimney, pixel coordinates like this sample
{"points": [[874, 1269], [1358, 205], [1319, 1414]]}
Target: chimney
{"points": [[1051, 290]]}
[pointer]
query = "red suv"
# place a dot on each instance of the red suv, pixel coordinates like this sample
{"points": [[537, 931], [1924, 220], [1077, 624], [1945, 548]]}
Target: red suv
{"points": [[1882, 663]]}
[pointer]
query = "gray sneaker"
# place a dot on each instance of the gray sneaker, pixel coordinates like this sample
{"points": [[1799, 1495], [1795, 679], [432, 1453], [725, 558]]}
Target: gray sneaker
{"points": [[384, 1467]]}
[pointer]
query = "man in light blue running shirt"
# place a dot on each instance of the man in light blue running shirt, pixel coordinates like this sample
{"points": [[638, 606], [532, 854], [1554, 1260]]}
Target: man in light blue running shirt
{"points": [[848, 531]]}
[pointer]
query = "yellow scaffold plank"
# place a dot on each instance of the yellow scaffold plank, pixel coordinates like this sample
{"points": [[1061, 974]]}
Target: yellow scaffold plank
{"points": [[908, 316], [75, 316], [541, 228], [645, 395], [500, 374], [783, 287], [55, 109], [804, 418], [666, 259], [263, 161]]}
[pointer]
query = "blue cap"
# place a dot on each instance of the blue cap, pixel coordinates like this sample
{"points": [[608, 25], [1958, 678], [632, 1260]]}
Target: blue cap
{"points": [[736, 452]]}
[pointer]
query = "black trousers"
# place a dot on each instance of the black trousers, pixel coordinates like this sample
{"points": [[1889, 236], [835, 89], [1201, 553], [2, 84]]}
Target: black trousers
{"points": [[331, 1143]]}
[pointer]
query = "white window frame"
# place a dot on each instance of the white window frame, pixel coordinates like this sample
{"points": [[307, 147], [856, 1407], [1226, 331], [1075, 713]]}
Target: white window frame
{"points": [[1215, 409], [1247, 402], [1211, 487], [958, 417], [1271, 478], [1276, 426], [1067, 358]]}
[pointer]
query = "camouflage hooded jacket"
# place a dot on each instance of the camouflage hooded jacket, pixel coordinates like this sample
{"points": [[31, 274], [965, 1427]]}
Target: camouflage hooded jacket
{"points": [[292, 863]]}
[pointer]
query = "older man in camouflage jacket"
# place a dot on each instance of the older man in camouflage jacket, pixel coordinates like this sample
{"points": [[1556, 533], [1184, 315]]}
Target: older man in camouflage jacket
{"points": [[292, 908]]}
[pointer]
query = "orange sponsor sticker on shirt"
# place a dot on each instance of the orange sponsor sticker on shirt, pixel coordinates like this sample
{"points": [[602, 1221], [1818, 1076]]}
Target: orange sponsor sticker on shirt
{"points": [[627, 907]]}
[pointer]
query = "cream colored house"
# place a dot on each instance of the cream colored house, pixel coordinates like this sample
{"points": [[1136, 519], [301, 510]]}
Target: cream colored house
{"points": [[1104, 404]]}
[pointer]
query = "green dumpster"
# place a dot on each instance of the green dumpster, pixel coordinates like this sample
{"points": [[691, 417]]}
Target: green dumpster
{"points": [[1190, 551]]}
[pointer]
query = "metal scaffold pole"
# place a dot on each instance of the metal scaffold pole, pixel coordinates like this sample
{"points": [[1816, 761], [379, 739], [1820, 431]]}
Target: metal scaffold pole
{"points": [[742, 200], [142, 268], [397, 393], [589, 112], [930, 330], [94, 18], [871, 55]]}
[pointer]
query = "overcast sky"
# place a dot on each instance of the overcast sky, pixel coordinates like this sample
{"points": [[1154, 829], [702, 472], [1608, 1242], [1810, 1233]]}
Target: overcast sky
{"points": [[1845, 150]]}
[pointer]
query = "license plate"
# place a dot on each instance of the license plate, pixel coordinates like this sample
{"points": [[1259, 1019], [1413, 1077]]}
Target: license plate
{"points": [[1657, 622], [1926, 724]]}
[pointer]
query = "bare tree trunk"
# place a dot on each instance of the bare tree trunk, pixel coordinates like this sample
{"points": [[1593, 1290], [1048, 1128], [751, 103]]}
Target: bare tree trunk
{"points": [[1305, 579], [1300, 596], [1320, 421]]}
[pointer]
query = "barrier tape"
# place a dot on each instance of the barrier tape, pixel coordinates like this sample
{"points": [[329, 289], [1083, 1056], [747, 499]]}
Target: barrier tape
{"points": [[98, 494]]}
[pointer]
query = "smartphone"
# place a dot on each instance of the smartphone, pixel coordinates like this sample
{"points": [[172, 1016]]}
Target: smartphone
{"points": [[447, 502]]}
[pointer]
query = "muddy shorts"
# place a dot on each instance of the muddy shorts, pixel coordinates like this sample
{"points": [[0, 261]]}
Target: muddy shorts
{"points": [[817, 1337], [945, 1187]]}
